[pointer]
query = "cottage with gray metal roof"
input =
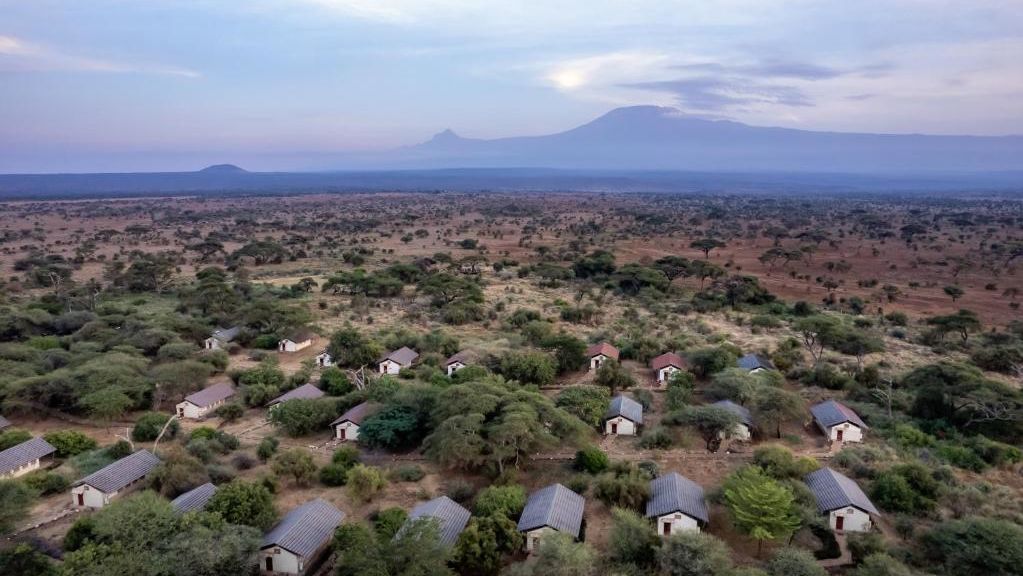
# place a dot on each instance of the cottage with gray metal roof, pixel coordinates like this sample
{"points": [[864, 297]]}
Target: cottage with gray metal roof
{"points": [[677, 503], [754, 363], [200, 404], [838, 496], [195, 499], [300, 540], [554, 508], [838, 422], [221, 337], [304, 392], [744, 429], [624, 416], [24, 458], [450, 517], [97, 489], [403, 357]]}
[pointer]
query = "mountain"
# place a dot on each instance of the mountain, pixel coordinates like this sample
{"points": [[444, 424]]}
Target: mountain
{"points": [[658, 138], [223, 169]]}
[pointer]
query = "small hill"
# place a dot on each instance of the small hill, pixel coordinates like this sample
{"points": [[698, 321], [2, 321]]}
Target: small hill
{"points": [[223, 169]]}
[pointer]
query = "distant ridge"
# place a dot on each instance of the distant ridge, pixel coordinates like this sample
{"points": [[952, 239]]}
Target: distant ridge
{"points": [[662, 138], [223, 169]]}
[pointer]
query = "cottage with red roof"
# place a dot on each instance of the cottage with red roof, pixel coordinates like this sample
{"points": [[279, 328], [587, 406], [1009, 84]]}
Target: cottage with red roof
{"points": [[600, 353], [667, 364]]}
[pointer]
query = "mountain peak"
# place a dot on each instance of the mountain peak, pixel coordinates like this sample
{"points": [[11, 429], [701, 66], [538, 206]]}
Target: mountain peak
{"points": [[448, 135], [223, 169]]}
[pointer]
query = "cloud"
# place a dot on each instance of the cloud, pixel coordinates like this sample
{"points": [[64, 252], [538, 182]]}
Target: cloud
{"points": [[718, 94], [19, 55]]}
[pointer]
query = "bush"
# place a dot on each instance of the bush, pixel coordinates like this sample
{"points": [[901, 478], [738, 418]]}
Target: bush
{"points": [[794, 562], [267, 448], [304, 416], [779, 462], [529, 367], [230, 412], [976, 546], [588, 403], [459, 490], [627, 487], [69, 442], [13, 437], [44, 482], [364, 482], [864, 544], [507, 500], [149, 425], [656, 438], [591, 459], [408, 473], [388, 521]]}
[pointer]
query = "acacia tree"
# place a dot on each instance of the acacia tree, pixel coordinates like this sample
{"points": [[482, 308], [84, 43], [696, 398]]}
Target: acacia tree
{"points": [[614, 376], [760, 506], [705, 245], [772, 406], [713, 423]]}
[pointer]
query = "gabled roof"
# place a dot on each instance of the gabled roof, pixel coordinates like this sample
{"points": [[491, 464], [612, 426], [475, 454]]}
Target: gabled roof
{"points": [[300, 335], [324, 352], [356, 413], [832, 413], [404, 356], [751, 362], [211, 395], [554, 506], [451, 517], [675, 493], [668, 359], [834, 490], [305, 529], [121, 473], [306, 391], [4, 423], [25, 453], [604, 348], [740, 411], [195, 499], [462, 356], [226, 334], [625, 407]]}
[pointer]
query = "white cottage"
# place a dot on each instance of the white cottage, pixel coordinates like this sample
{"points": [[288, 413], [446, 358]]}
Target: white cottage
{"points": [[743, 431], [676, 504], [458, 361], [346, 427], [665, 365], [551, 509], [97, 489], [221, 338], [300, 340], [306, 392], [755, 363], [838, 422], [624, 417], [841, 499], [301, 540], [601, 353], [324, 359], [202, 403], [403, 357], [25, 457]]}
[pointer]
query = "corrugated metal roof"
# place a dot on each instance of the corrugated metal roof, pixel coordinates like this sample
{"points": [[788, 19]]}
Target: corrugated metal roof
{"points": [[668, 359], [830, 413], [604, 348], [306, 528], [554, 506], [211, 395], [625, 407], [675, 493], [195, 499], [301, 335], [305, 391], [25, 453], [740, 411], [754, 361], [451, 517], [121, 473], [356, 413], [4, 423], [226, 334], [464, 356], [403, 356], [834, 490]]}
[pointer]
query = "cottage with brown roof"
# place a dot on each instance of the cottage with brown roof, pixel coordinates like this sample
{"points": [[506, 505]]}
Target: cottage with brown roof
{"points": [[459, 360], [667, 364], [403, 357], [600, 353], [200, 404], [346, 428], [304, 392], [299, 340]]}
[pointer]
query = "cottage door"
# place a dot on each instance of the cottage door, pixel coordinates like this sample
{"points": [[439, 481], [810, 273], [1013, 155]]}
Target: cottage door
{"points": [[839, 435], [269, 564], [81, 499], [341, 431], [667, 528], [839, 523], [614, 427]]}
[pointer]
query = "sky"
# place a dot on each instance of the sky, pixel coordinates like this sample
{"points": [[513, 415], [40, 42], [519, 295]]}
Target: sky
{"points": [[149, 85]]}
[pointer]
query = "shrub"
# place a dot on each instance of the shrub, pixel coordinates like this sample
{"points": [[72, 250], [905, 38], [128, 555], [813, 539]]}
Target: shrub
{"points": [[408, 473], [44, 482], [364, 482], [507, 500], [656, 438], [13, 437], [591, 459], [459, 491], [230, 412], [388, 521], [69, 442], [149, 425], [267, 448]]}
